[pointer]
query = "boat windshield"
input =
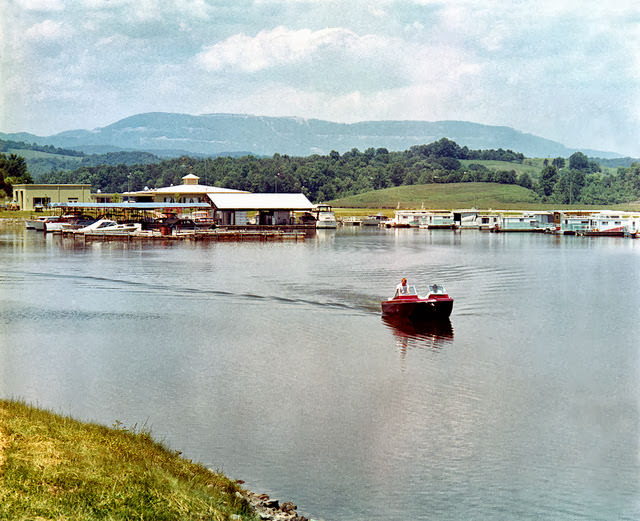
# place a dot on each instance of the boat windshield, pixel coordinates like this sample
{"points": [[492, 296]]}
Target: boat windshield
{"points": [[436, 289], [106, 224], [410, 290]]}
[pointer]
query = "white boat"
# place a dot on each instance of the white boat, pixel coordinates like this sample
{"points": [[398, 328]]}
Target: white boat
{"points": [[107, 226], [40, 223], [375, 220], [352, 221], [68, 222], [325, 218]]}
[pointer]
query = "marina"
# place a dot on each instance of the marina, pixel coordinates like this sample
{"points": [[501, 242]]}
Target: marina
{"points": [[194, 221]]}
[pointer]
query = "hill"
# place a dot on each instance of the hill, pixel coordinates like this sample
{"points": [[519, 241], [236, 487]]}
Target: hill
{"points": [[169, 134], [444, 196]]}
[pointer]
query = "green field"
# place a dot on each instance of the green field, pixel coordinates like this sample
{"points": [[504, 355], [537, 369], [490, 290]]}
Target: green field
{"points": [[457, 196], [450, 195]]}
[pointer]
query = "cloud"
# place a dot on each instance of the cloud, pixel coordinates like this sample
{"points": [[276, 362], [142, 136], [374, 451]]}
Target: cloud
{"points": [[41, 5], [281, 46], [47, 30]]}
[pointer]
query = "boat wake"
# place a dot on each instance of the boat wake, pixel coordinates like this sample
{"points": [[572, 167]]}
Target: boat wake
{"points": [[367, 304]]}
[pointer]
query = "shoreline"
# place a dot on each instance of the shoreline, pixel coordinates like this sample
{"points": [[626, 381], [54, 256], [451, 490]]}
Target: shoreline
{"points": [[56, 467]]}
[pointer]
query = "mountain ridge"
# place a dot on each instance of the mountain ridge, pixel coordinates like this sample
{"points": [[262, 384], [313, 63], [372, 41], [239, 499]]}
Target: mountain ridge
{"points": [[175, 134]]}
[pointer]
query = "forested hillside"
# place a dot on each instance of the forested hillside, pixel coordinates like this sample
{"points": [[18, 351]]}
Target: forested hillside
{"points": [[328, 177], [41, 159]]}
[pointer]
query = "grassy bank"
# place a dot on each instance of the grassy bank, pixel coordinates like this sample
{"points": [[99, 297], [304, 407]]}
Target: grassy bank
{"points": [[458, 196], [53, 467], [445, 195]]}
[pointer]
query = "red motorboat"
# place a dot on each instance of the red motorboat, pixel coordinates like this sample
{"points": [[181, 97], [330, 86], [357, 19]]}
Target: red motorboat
{"points": [[407, 303]]}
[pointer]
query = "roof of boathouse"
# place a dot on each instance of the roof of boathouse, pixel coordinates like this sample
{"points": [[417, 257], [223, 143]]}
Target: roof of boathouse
{"points": [[129, 205], [250, 201], [189, 186]]}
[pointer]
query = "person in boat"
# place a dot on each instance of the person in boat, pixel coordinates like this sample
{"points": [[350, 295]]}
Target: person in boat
{"points": [[402, 288]]}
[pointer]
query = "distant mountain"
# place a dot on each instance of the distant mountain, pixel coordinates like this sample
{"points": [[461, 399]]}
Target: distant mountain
{"points": [[168, 134]]}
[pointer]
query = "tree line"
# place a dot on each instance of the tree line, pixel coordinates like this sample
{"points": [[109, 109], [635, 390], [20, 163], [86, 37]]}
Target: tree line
{"points": [[335, 175], [320, 177]]}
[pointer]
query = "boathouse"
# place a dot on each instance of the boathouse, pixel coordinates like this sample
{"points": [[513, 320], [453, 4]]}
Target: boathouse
{"points": [[228, 207], [271, 209]]}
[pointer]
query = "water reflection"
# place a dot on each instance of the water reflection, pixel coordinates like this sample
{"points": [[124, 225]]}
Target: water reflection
{"points": [[431, 334]]}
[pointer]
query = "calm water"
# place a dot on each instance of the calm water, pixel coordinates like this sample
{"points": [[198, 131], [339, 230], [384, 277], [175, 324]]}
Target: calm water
{"points": [[271, 363]]}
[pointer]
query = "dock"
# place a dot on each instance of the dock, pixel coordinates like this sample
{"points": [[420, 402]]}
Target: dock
{"points": [[217, 235]]}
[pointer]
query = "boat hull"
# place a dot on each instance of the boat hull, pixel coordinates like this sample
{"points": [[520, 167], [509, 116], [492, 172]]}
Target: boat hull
{"points": [[418, 309], [327, 225]]}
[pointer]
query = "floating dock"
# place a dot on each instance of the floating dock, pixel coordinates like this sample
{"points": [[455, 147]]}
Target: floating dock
{"points": [[219, 235]]}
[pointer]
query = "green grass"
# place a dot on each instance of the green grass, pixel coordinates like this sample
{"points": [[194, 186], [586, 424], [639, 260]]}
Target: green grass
{"points": [[457, 196], [445, 196], [54, 467], [22, 214]]}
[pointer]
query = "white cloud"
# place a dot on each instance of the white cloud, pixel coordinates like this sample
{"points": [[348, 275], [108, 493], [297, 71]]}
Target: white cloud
{"points": [[47, 30], [41, 5], [281, 46]]}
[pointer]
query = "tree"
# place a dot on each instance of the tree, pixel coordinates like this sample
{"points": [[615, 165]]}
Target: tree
{"points": [[548, 179], [578, 161], [13, 171], [525, 181], [568, 188]]}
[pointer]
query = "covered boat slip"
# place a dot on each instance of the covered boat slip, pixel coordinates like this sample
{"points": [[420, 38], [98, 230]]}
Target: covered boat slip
{"points": [[128, 211], [226, 209], [270, 209]]}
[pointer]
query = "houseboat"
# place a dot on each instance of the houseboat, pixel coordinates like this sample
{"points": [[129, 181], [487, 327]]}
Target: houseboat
{"points": [[487, 222], [406, 219], [524, 222], [613, 224], [437, 219], [467, 219]]}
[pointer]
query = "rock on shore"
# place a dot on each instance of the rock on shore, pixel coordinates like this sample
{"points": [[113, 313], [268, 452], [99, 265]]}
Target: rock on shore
{"points": [[271, 509]]}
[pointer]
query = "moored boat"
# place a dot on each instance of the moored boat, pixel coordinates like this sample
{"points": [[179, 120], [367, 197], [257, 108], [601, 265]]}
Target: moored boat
{"points": [[378, 219], [40, 224], [325, 218], [408, 304], [107, 226]]}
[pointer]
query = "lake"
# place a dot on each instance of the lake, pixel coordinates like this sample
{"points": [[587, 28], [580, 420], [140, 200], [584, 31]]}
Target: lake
{"points": [[271, 363]]}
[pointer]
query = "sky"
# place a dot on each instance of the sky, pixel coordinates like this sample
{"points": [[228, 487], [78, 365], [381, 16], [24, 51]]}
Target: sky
{"points": [[563, 70]]}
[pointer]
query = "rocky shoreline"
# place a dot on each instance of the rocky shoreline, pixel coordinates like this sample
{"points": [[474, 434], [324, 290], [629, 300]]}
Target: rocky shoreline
{"points": [[271, 509]]}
